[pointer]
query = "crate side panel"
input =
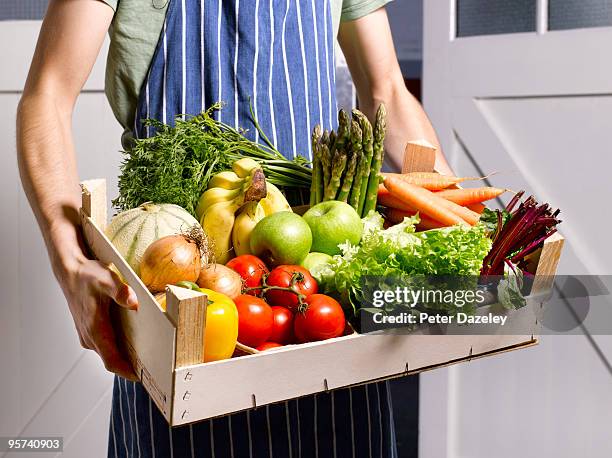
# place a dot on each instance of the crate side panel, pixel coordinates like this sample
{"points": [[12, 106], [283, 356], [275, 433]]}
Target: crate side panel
{"points": [[148, 334]]}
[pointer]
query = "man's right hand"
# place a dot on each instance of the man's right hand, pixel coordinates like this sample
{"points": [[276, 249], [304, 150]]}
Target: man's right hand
{"points": [[91, 289], [70, 39]]}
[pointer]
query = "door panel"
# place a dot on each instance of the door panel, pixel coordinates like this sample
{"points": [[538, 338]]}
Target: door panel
{"points": [[534, 107]]}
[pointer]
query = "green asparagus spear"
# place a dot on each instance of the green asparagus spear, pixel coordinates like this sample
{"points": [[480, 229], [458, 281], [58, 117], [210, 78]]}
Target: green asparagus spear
{"points": [[325, 159], [317, 177], [356, 150], [344, 131], [377, 160], [338, 165], [368, 152]]}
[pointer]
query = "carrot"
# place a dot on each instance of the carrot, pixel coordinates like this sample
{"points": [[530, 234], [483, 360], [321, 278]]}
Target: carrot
{"points": [[431, 180], [389, 200], [478, 208], [423, 200], [469, 216], [395, 215], [470, 195]]}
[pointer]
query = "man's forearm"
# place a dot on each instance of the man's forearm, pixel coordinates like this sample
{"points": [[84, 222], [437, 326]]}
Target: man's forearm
{"points": [[49, 174], [406, 121]]}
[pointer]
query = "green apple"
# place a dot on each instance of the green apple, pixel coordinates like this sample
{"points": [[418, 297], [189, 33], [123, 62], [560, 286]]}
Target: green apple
{"points": [[332, 223], [315, 259], [281, 238]]}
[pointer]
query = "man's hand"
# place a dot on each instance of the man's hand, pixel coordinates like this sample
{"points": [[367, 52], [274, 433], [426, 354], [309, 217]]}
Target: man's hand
{"points": [[367, 44], [69, 42], [90, 289]]}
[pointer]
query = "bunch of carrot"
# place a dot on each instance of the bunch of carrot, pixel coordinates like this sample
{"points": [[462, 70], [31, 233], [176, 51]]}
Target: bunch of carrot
{"points": [[435, 197]]}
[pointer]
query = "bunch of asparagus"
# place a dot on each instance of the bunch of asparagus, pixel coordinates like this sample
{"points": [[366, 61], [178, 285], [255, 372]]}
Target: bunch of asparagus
{"points": [[346, 163]]}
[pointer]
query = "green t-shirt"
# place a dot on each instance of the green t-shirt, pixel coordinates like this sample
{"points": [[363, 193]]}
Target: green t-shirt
{"points": [[134, 34]]}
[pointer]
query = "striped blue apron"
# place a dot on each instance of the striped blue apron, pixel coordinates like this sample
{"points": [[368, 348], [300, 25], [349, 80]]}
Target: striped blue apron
{"points": [[279, 56]]}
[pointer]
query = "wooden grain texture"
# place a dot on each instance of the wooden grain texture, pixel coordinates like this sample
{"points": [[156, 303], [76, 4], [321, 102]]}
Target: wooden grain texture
{"points": [[547, 264], [148, 334], [93, 196], [187, 308], [294, 371], [419, 156]]}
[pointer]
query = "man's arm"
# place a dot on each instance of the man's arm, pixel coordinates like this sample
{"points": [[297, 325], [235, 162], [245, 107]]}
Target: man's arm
{"points": [[69, 42], [368, 47]]}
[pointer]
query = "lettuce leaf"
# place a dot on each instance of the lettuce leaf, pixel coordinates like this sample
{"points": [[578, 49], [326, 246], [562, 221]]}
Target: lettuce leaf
{"points": [[401, 253]]}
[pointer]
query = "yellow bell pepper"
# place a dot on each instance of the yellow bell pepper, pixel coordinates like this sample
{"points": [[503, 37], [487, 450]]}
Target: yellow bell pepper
{"points": [[221, 331]]}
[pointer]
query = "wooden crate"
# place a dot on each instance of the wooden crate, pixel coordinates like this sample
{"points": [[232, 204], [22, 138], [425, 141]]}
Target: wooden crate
{"points": [[165, 347]]}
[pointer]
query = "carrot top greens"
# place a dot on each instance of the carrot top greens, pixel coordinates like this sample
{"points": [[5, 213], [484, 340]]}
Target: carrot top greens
{"points": [[175, 165]]}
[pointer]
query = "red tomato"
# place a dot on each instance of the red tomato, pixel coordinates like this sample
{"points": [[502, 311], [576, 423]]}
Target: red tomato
{"points": [[281, 276], [251, 269], [323, 319], [255, 320], [267, 345], [282, 329]]}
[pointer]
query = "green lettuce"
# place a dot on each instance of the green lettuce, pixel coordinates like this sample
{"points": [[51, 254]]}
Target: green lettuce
{"points": [[401, 253]]}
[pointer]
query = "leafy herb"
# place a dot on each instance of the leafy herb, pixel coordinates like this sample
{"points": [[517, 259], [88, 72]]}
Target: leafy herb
{"points": [[175, 165]]}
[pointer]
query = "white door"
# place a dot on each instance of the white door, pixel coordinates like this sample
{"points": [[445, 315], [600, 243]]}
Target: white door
{"points": [[50, 386], [524, 88]]}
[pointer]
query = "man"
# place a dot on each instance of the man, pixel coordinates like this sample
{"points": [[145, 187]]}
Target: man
{"points": [[169, 58]]}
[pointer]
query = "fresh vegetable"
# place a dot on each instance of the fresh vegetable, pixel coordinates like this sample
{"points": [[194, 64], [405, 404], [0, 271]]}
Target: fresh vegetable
{"points": [[288, 284], [321, 319], [431, 180], [396, 216], [360, 186], [354, 157], [338, 166], [282, 328], [326, 161], [422, 200], [176, 164], [281, 238], [347, 159], [251, 269], [255, 320], [469, 196], [316, 189], [221, 279], [525, 231], [221, 330], [400, 252], [268, 345], [377, 160], [132, 231], [174, 258]]}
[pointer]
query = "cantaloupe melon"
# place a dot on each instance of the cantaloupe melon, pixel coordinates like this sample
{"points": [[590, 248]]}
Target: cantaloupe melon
{"points": [[132, 231]]}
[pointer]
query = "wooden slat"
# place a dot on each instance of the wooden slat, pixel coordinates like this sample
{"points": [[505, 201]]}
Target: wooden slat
{"points": [[148, 334], [547, 264], [419, 156], [187, 308], [93, 196]]}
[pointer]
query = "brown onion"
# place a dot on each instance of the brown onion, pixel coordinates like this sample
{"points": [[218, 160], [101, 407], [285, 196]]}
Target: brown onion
{"points": [[171, 259], [221, 279]]}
